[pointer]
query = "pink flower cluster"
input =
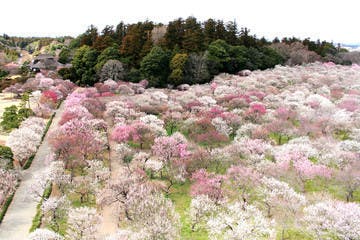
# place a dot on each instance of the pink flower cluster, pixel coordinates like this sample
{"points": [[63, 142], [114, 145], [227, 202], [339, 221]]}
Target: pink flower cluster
{"points": [[303, 166], [170, 147], [208, 184]]}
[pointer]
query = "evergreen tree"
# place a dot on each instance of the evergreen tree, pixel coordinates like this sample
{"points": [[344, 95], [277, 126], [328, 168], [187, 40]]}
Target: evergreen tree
{"points": [[155, 66], [64, 56], [220, 30], [120, 32], [89, 37], [108, 54], [232, 33], [84, 65], [210, 31], [135, 44], [177, 67], [246, 39], [193, 36], [174, 34]]}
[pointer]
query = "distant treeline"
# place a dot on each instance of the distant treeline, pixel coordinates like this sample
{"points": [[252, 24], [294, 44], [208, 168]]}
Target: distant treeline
{"points": [[183, 51]]}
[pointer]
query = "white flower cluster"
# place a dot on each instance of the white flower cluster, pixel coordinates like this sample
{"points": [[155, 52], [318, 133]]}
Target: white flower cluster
{"points": [[350, 145], [224, 90], [207, 101], [201, 208], [122, 149], [245, 131], [44, 234], [221, 126], [280, 193], [300, 145], [339, 219], [119, 110], [25, 140], [235, 223], [159, 96], [155, 124], [83, 223], [154, 165]]}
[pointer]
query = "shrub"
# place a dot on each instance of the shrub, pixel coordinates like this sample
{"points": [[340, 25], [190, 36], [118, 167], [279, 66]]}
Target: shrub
{"points": [[6, 157]]}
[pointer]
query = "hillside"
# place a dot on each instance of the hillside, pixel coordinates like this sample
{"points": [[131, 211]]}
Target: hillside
{"points": [[252, 157]]}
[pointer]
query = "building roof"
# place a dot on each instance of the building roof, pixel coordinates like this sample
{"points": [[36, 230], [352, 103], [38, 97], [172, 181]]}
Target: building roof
{"points": [[43, 56]]}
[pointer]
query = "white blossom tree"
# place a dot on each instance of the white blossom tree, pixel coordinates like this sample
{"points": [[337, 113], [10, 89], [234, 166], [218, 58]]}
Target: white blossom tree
{"points": [[83, 223], [53, 209], [333, 219], [44, 234], [236, 223], [201, 208]]}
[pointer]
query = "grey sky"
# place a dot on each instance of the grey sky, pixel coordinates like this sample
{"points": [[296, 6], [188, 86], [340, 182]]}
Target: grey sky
{"points": [[328, 20]]}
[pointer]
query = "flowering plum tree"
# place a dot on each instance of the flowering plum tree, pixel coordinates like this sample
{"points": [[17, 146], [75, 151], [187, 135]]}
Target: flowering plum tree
{"points": [[280, 194], [8, 184], [137, 132], [25, 140], [234, 222], [75, 138], [155, 216], [172, 147], [54, 209], [201, 208], [333, 218], [83, 223], [207, 184], [44, 234], [77, 112], [350, 177], [245, 179]]}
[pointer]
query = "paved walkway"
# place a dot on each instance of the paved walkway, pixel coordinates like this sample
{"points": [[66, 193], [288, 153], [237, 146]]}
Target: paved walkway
{"points": [[19, 216]]}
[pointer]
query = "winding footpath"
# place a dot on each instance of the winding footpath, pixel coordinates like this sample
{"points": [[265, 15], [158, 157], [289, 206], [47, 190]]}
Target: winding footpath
{"points": [[19, 216]]}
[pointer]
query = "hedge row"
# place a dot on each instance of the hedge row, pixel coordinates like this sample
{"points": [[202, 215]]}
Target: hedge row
{"points": [[36, 223], [6, 206]]}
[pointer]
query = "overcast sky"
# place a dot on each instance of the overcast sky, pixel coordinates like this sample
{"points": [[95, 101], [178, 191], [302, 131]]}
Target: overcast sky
{"points": [[329, 20]]}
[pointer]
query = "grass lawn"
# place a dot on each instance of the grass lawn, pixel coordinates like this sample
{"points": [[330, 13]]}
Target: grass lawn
{"points": [[181, 198]]}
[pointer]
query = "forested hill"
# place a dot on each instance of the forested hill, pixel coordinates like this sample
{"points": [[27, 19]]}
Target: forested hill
{"points": [[182, 51]]}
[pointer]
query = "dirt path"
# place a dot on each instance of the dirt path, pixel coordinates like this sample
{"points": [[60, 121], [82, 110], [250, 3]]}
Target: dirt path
{"points": [[110, 221], [19, 216]]}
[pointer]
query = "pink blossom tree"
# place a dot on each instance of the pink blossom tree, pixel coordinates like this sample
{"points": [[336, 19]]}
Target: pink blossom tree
{"points": [[137, 132], [172, 151], [255, 111], [350, 178], [245, 179], [208, 184], [168, 148], [77, 112], [75, 141], [303, 168]]}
